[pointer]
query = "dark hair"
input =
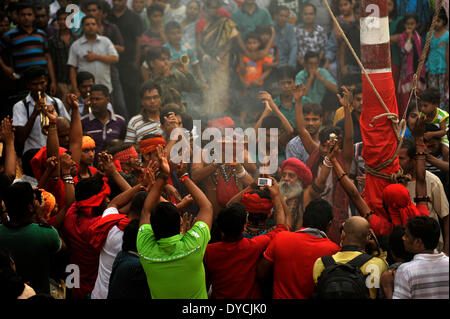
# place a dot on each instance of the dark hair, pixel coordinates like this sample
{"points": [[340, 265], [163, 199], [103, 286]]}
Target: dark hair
{"points": [[155, 53], [263, 29], [92, 2], [394, 14], [271, 121], [310, 5], [23, 6], [358, 89], [278, 9], [410, 145], [351, 79], [313, 108], [311, 55], [115, 189], [411, 107], [410, 16], [252, 35], [431, 95], [26, 161], [324, 134], [34, 72], [231, 220], [130, 233], [86, 18], [187, 120], [209, 2], [166, 110], [150, 86], [443, 16], [105, 7], [318, 214], [40, 6], [102, 88], [61, 11], [112, 145], [17, 198], [137, 203], [88, 187], [425, 228], [171, 25], [286, 72], [165, 220], [396, 245], [154, 8], [11, 285], [84, 76]]}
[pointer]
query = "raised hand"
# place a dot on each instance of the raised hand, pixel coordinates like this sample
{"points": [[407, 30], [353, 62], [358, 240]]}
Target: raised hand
{"points": [[66, 163], [345, 98], [72, 101], [52, 162], [106, 164], [419, 128], [164, 166], [51, 113], [299, 91], [7, 130], [274, 189]]}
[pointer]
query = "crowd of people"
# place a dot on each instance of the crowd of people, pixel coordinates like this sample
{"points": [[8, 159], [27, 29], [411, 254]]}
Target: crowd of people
{"points": [[93, 205]]}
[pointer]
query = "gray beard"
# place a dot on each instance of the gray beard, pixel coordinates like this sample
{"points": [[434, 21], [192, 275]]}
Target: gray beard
{"points": [[290, 191]]}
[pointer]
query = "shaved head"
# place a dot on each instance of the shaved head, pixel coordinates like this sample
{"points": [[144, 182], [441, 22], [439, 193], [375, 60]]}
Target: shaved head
{"points": [[63, 126], [356, 230]]}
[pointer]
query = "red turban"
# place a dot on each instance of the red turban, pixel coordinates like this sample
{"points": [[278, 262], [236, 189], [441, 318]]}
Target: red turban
{"points": [[255, 204], [301, 170], [221, 123], [399, 205], [39, 161], [149, 144]]}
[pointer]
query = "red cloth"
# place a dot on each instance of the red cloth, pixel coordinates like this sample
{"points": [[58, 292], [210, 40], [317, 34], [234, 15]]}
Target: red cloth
{"points": [[125, 155], [225, 191], [100, 229], [38, 165], [87, 205], [77, 234], [255, 204], [149, 145], [231, 266], [293, 256], [379, 142], [399, 204], [301, 170]]}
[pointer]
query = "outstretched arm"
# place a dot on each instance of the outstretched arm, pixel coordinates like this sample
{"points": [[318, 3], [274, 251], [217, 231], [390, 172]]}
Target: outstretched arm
{"points": [[308, 142], [7, 136]]}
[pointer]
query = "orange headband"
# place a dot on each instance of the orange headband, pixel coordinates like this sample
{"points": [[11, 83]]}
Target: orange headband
{"points": [[87, 142], [149, 145]]}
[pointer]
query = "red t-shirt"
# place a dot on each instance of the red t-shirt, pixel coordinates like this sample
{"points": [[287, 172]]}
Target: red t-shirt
{"points": [[77, 234], [231, 266], [293, 256]]}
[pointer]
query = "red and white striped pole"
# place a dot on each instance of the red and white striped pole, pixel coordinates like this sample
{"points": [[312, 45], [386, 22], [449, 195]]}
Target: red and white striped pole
{"points": [[379, 139]]}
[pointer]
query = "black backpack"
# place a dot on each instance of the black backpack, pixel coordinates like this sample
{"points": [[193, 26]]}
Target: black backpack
{"points": [[343, 281]]}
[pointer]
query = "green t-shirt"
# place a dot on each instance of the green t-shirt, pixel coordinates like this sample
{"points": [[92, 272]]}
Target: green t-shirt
{"points": [[174, 265], [31, 247]]}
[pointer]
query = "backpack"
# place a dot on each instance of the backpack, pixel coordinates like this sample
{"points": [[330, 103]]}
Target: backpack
{"points": [[343, 281]]}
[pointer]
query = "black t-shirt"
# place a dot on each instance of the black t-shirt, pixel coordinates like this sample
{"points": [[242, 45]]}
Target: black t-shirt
{"points": [[130, 26], [352, 32], [356, 128]]}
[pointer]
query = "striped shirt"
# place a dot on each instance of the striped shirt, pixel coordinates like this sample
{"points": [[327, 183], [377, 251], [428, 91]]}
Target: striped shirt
{"points": [[440, 117], [26, 49], [425, 277], [138, 127]]}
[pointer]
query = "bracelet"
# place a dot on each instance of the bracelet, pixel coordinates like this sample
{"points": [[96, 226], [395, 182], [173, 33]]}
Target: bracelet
{"points": [[162, 175], [69, 181], [339, 178], [422, 199], [327, 162], [184, 178]]}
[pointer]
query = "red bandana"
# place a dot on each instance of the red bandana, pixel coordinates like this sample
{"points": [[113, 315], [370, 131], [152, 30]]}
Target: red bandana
{"points": [[149, 145], [125, 155], [87, 205], [100, 229]]}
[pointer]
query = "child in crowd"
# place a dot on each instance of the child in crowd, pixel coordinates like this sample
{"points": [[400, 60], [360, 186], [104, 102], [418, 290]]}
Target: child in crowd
{"points": [[429, 101], [181, 52], [410, 43], [154, 36], [437, 59], [265, 34], [252, 75]]}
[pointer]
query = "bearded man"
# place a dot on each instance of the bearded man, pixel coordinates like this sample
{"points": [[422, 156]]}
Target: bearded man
{"points": [[295, 178]]}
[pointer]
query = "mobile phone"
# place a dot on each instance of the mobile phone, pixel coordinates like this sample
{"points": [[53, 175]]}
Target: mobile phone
{"points": [[264, 181]]}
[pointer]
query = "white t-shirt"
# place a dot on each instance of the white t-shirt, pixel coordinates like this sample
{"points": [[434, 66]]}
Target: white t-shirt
{"points": [[112, 247]]}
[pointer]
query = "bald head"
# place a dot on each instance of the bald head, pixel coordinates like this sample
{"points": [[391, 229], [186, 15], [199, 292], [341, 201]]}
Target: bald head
{"points": [[63, 126], [356, 230]]}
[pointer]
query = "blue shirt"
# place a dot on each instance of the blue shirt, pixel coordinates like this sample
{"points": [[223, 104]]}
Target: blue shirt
{"points": [[184, 49], [247, 23], [289, 113], [296, 149], [287, 44], [318, 89]]}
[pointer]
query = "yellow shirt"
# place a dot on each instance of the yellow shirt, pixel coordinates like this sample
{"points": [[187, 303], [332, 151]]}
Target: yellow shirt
{"points": [[374, 268]]}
